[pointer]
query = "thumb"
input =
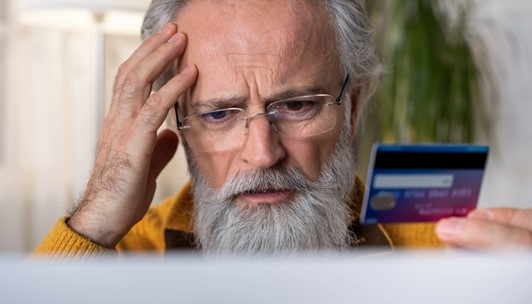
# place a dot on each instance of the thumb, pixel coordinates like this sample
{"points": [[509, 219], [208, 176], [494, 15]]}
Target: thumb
{"points": [[164, 150]]}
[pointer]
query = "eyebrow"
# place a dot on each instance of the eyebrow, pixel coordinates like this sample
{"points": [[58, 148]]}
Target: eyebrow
{"points": [[240, 101], [219, 103], [296, 92]]}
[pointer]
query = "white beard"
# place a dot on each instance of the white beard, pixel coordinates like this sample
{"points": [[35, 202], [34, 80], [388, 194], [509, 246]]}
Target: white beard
{"points": [[317, 219]]}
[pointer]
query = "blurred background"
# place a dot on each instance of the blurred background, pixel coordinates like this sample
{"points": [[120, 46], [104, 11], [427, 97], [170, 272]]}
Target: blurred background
{"points": [[456, 71]]}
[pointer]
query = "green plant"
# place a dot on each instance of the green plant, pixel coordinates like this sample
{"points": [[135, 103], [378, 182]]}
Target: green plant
{"points": [[430, 92]]}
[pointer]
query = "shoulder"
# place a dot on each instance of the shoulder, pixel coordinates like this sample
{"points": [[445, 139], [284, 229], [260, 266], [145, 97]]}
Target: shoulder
{"points": [[173, 213]]}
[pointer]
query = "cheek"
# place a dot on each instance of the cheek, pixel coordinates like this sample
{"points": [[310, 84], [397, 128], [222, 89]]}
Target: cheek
{"points": [[215, 167], [310, 155]]}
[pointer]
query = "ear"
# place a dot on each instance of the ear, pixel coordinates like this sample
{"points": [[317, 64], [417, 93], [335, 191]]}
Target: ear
{"points": [[354, 112]]}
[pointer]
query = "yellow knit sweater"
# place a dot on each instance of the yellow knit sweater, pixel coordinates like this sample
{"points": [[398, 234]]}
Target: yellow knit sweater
{"points": [[168, 226]]}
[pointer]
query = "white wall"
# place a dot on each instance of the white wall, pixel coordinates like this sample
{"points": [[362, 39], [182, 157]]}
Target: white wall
{"points": [[48, 116], [506, 27]]}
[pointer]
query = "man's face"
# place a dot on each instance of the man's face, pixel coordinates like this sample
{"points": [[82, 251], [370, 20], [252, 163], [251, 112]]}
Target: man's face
{"points": [[249, 52], [273, 193]]}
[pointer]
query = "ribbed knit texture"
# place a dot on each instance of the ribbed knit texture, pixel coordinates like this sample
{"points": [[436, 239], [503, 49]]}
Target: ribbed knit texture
{"points": [[175, 213], [62, 241], [413, 236]]}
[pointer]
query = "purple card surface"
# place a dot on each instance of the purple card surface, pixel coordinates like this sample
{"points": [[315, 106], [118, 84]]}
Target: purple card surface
{"points": [[422, 183]]}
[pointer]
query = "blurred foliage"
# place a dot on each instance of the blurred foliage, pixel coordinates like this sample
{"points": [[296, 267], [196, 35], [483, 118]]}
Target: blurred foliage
{"points": [[430, 92]]}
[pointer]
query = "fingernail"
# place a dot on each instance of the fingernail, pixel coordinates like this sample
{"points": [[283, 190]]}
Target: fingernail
{"points": [[448, 227], [165, 28], [175, 38], [481, 215]]}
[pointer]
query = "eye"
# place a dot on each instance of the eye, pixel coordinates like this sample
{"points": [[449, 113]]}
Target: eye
{"points": [[220, 118], [295, 105], [297, 109], [218, 115]]}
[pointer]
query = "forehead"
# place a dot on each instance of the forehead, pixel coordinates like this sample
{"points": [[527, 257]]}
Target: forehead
{"points": [[269, 42]]}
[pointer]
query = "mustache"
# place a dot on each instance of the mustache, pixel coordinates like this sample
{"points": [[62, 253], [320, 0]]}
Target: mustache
{"points": [[266, 180]]}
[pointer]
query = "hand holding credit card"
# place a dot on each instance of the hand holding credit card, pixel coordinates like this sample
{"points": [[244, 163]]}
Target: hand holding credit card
{"points": [[422, 183]]}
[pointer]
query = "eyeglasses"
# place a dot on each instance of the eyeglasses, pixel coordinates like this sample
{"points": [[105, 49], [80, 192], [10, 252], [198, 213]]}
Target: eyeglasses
{"points": [[297, 117]]}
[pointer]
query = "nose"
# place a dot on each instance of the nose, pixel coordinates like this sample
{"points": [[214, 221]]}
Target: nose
{"points": [[262, 148]]}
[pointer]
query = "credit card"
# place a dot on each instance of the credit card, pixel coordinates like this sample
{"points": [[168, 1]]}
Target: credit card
{"points": [[422, 183]]}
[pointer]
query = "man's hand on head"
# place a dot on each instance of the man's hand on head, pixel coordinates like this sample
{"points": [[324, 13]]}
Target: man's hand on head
{"points": [[130, 154], [498, 228]]}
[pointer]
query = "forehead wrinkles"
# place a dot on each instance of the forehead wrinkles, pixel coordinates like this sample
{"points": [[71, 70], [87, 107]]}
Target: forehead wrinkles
{"points": [[279, 35]]}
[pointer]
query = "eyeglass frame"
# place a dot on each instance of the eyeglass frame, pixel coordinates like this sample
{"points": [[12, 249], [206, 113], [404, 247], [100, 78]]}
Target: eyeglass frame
{"points": [[338, 101]]}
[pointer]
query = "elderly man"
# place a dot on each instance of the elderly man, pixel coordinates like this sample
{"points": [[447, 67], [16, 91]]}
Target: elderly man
{"points": [[269, 95]]}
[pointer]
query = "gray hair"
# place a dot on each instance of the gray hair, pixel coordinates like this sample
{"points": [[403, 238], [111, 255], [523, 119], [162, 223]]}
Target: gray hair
{"points": [[353, 41]]}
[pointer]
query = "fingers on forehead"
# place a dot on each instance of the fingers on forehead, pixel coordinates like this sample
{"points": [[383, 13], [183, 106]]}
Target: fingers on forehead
{"points": [[153, 42], [154, 111]]}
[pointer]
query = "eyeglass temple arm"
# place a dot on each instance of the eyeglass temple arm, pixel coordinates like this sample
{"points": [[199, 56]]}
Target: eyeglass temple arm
{"points": [[339, 99], [179, 124]]}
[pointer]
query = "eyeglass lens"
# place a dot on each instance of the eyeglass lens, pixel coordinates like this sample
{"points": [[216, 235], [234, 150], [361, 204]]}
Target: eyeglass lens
{"points": [[226, 129]]}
